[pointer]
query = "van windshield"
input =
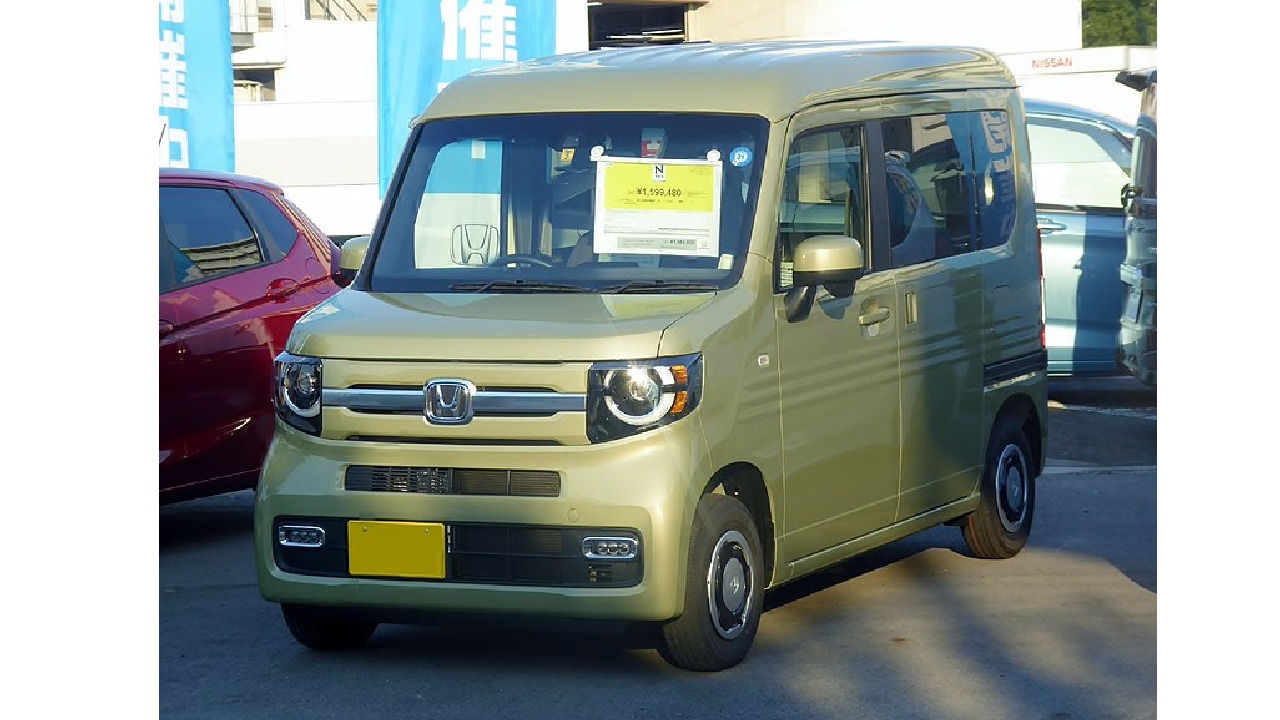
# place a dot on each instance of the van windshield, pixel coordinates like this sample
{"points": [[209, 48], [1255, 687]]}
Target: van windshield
{"points": [[585, 202]]}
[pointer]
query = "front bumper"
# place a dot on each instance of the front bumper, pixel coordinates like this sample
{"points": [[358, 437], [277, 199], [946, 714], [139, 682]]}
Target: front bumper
{"points": [[648, 484]]}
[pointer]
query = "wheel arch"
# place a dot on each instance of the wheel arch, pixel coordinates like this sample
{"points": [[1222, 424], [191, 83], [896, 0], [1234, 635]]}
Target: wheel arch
{"points": [[745, 482], [1022, 410]]}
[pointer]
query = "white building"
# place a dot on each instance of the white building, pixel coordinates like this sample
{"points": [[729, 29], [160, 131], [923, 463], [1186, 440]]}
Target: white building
{"points": [[306, 112]]}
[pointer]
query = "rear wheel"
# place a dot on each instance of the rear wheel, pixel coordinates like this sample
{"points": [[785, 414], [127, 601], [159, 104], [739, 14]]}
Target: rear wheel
{"points": [[724, 589], [322, 633], [999, 528]]}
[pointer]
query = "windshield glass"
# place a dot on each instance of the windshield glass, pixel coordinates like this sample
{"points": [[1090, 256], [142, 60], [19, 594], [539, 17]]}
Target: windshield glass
{"points": [[590, 202]]}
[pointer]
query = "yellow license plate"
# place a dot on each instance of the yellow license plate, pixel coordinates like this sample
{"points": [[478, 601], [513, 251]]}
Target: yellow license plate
{"points": [[395, 549]]}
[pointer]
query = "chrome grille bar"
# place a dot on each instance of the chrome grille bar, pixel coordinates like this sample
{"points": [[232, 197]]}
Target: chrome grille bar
{"points": [[486, 402]]}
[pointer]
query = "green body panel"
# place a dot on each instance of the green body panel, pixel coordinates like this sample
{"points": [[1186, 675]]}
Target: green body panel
{"points": [[943, 433], [454, 327]]}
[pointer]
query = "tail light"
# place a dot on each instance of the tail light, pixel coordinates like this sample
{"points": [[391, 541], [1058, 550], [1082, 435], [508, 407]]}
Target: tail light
{"points": [[1040, 269]]}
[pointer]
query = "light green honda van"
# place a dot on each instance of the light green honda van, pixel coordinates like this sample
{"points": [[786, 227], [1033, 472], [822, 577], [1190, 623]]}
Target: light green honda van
{"points": [[642, 334]]}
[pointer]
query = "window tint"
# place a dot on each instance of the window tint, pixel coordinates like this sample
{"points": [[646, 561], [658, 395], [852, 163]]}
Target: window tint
{"points": [[930, 189], [950, 184], [1144, 162], [272, 220], [167, 280], [206, 232], [992, 136], [823, 193], [1076, 164]]}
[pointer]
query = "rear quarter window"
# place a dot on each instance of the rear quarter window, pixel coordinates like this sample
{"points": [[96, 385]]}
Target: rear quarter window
{"points": [[271, 220]]}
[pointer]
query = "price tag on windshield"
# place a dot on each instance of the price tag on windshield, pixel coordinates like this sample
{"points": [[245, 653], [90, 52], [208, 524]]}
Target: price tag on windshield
{"points": [[659, 207]]}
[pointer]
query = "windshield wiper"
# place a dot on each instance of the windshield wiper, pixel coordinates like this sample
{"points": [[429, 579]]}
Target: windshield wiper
{"points": [[657, 285], [518, 286]]}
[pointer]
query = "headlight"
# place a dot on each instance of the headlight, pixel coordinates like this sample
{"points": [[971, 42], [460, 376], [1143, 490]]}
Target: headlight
{"points": [[625, 398], [297, 395]]}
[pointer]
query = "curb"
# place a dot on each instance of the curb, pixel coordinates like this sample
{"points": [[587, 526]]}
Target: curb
{"points": [[1080, 469]]}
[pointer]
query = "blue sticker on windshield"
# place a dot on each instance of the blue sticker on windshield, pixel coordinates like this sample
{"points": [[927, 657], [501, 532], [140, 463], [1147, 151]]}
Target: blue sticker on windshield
{"points": [[740, 156]]}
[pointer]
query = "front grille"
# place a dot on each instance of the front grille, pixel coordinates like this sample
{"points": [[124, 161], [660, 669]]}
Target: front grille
{"points": [[453, 481], [480, 553], [532, 555], [510, 539]]}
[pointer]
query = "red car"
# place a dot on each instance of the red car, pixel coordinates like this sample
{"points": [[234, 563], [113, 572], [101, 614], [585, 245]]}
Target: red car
{"points": [[239, 264]]}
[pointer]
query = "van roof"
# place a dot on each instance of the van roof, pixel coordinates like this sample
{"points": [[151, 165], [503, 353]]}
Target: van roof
{"points": [[773, 79]]}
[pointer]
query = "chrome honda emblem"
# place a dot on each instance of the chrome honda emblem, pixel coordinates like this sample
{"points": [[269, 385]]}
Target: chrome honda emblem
{"points": [[448, 402]]}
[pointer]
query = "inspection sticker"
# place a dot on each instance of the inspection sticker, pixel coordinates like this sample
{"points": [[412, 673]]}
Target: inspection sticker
{"points": [[740, 156]]}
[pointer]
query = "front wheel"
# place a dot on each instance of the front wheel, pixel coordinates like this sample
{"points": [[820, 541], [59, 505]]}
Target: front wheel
{"points": [[1001, 524], [325, 634], [724, 589]]}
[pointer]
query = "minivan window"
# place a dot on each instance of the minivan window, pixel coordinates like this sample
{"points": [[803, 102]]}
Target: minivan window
{"points": [[949, 184], [1077, 164], [823, 193], [1144, 162], [512, 204]]}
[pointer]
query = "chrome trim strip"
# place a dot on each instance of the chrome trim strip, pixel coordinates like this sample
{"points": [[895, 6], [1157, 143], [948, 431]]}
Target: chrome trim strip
{"points": [[383, 400], [588, 551], [485, 402], [1012, 381], [1016, 367], [528, 402], [280, 535]]}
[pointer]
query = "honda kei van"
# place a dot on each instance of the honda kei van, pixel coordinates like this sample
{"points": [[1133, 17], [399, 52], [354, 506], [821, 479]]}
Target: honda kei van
{"points": [[642, 334]]}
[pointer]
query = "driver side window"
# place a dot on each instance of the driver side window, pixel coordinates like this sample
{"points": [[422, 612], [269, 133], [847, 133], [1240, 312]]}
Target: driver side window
{"points": [[824, 192]]}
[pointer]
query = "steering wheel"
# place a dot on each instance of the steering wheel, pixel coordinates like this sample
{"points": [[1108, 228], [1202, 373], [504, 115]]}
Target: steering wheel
{"points": [[522, 259]]}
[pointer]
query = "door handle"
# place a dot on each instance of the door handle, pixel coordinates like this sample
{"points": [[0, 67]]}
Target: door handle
{"points": [[279, 289], [878, 315], [1048, 226]]}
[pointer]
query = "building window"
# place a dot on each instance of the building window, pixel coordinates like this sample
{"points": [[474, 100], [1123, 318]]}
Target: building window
{"points": [[255, 84], [345, 10]]}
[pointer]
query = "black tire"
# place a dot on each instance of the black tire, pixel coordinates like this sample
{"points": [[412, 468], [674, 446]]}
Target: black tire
{"points": [[325, 634], [999, 528], [724, 590]]}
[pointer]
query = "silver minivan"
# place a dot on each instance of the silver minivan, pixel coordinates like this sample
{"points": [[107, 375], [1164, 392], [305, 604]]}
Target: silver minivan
{"points": [[1080, 159]]}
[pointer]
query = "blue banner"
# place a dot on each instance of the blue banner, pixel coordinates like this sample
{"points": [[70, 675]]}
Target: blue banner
{"points": [[425, 44], [196, 96]]}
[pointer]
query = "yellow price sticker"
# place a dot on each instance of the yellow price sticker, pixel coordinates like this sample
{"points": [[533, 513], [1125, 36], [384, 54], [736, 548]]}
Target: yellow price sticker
{"points": [[668, 188]]}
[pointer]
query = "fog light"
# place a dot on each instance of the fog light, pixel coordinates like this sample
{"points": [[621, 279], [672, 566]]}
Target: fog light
{"points": [[610, 548], [300, 536]]}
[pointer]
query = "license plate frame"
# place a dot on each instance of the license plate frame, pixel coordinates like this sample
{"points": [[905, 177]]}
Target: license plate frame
{"points": [[396, 549]]}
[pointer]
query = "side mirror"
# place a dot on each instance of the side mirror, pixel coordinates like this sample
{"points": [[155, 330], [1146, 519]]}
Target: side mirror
{"points": [[831, 260], [350, 257]]}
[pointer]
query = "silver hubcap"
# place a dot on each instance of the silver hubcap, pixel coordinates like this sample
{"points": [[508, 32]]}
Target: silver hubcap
{"points": [[1011, 488], [734, 586], [729, 587]]}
